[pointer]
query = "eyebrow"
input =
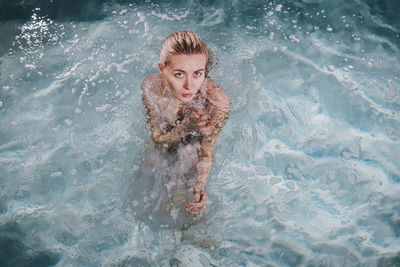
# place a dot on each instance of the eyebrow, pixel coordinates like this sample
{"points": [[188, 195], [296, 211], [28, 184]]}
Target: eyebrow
{"points": [[185, 71]]}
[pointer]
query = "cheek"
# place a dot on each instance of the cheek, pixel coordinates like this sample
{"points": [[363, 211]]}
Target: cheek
{"points": [[199, 82], [174, 84], [177, 83]]}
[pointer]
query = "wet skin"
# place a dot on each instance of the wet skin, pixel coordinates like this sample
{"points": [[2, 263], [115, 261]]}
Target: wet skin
{"points": [[185, 76]]}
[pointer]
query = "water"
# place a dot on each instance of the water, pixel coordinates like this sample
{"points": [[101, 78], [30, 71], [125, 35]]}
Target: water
{"points": [[306, 171]]}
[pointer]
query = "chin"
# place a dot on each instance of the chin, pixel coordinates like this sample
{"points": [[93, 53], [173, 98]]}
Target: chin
{"points": [[185, 100]]}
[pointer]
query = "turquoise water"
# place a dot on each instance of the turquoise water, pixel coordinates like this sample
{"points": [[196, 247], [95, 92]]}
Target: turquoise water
{"points": [[306, 171]]}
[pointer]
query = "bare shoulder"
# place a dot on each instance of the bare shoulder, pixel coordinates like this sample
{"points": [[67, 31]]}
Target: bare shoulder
{"points": [[151, 84], [216, 94]]}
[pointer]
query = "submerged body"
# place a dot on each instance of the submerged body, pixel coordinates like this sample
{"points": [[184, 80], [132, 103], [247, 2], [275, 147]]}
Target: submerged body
{"points": [[195, 123], [186, 110]]}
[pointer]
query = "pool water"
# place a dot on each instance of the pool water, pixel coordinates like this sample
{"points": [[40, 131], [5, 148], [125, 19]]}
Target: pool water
{"points": [[306, 171]]}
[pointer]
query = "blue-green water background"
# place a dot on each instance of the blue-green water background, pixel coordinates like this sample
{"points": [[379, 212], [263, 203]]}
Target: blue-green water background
{"points": [[306, 171]]}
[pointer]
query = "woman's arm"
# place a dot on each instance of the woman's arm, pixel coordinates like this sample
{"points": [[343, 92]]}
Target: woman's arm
{"points": [[160, 135], [220, 113]]}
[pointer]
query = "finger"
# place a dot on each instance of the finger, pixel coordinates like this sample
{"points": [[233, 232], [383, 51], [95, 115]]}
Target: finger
{"points": [[195, 115], [199, 204], [203, 197], [207, 129], [194, 212], [201, 112], [197, 196], [195, 205], [201, 123]]}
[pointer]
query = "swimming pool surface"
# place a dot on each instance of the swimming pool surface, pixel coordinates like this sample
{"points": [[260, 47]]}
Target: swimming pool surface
{"points": [[306, 171]]}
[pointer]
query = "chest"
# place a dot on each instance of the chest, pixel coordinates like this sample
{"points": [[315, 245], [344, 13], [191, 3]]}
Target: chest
{"points": [[169, 111]]}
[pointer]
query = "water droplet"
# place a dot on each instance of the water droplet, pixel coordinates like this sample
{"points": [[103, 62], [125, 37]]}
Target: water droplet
{"points": [[290, 185], [274, 180]]}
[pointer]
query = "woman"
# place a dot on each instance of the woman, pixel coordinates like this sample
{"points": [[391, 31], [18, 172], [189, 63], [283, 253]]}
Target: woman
{"points": [[185, 107]]}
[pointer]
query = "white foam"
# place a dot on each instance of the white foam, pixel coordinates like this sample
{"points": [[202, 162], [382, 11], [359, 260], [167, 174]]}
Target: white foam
{"points": [[50, 89], [278, 8]]}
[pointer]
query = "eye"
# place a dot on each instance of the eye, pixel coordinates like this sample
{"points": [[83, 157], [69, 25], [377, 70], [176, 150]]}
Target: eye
{"points": [[197, 74], [179, 75]]}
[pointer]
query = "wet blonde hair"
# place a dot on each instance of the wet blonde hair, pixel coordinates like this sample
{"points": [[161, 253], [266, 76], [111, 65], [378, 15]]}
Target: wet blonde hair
{"points": [[182, 43]]}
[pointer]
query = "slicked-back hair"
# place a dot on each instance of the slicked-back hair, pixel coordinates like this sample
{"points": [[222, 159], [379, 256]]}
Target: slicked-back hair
{"points": [[182, 43]]}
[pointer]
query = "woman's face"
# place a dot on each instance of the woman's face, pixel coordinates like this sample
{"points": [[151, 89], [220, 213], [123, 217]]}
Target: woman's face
{"points": [[184, 75]]}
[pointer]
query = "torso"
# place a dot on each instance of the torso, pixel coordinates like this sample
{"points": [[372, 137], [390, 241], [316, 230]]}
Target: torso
{"points": [[169, 110]]}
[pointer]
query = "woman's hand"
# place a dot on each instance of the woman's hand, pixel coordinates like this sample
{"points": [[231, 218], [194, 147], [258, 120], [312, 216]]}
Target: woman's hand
{"points": [[202, 123], [200, 196]]}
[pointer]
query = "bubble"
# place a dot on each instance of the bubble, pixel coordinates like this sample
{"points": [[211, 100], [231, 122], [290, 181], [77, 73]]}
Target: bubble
{"points": [[56, 129], [56, 174], [261, 170], [271, 35], [332, 174], [294, 38], [391, 93], [286, 132], [204, 260], [278, 8], [274, 180], [290, 185], [68, 122], [323, 187]]}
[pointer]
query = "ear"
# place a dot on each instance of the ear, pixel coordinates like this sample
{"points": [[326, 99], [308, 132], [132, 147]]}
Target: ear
{"points": [[161, 68]]}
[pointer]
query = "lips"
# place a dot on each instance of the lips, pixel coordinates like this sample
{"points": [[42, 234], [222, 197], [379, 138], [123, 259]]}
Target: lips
{"points": [[187, 95]]}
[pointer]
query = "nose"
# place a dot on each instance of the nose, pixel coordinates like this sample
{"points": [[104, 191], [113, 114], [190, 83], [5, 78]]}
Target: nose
{"points": [[188, 83]]}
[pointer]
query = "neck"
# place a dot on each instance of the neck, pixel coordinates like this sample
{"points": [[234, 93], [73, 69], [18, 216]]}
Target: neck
{"points": [[167, 95]]}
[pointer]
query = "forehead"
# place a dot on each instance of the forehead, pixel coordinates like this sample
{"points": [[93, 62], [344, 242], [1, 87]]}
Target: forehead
{"points": [[188, 62]]}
